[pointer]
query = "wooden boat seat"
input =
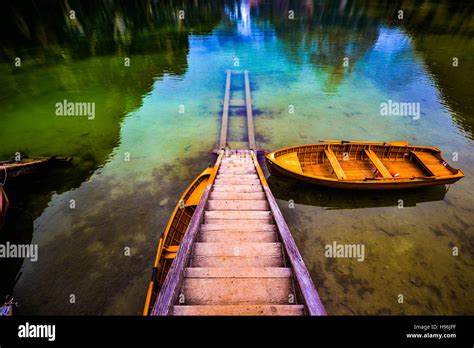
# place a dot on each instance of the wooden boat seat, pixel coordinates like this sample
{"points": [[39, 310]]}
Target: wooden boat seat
{"points": [[172, 248], [336, 166], [430, 163], [378, 164], [170, 252], [404, 168], [291, 162]]}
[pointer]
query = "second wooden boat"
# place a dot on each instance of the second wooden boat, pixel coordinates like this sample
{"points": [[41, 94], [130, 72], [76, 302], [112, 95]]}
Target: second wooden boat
{"points": [[364, 165], [170, 240], [13, 169]]}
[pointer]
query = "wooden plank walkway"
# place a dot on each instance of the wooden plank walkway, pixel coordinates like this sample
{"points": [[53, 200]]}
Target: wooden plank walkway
{"points": [[238, 256]]}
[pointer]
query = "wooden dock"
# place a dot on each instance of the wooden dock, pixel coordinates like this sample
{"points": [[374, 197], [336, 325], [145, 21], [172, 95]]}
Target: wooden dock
{"points": [[238, 256], [228, 103]]}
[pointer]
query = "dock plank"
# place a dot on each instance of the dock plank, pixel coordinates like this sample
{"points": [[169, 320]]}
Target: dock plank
{"points": [[237, 215], [239, 225], [237, 182], [215, 195], [247, 310], [217, 291], [237, 249], [237, 236], [237, 176], [237, 188], [238, 205], [240, 272], [237, 261]]}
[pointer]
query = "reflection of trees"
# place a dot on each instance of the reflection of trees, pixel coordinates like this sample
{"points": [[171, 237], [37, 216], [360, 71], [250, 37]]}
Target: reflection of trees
{"points": [[55, 54], [445, 31], [324, 32], [102, 27], [441, 30], [43, 35]]}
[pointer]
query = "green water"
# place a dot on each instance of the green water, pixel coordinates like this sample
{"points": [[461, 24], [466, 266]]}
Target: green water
{"points": [[181, 63]]}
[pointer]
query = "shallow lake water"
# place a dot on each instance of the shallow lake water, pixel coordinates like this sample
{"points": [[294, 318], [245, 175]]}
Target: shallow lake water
{"points": [[157, 122]]}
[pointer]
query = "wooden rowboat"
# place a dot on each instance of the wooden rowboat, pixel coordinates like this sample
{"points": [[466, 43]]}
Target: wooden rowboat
{"points": [[13, 169], [170, 240], [3, 206], [363, 165]]}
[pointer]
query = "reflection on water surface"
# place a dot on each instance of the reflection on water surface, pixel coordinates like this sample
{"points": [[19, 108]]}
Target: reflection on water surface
{"points": [[177, 62]]}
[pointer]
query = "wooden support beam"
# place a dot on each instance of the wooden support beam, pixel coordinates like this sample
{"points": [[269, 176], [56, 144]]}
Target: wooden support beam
{"points": [[248, 102], [225, 112], [336, 166]]}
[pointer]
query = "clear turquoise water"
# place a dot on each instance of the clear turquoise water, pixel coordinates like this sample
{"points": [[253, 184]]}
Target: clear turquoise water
{"points": [[126, 204]]}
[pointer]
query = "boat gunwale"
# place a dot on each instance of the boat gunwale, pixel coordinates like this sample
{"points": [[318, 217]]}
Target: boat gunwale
{"points": [[205, 172], [25, 161]]}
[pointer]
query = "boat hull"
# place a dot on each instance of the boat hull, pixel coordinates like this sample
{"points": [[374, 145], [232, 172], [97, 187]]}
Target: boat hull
{"points": [[10, 170], [276, 170]]}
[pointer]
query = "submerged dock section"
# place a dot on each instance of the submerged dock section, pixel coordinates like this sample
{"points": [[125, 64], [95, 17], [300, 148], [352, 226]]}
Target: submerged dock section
{"points": [[238, 256]]}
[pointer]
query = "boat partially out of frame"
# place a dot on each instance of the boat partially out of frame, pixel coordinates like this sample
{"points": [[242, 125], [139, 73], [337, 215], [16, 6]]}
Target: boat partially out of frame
{"points": [[9, 307], [3, 206], [171, 238], [364, 165]]}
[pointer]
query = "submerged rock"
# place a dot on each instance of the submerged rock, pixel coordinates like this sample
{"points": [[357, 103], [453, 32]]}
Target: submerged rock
{"points": [[164, 202], [416, 281]]}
